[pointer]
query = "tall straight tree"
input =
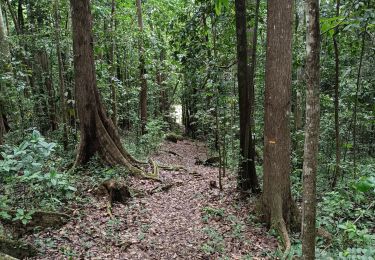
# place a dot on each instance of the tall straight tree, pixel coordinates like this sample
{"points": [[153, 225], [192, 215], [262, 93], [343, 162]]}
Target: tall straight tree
{"points": [[253, 59], [63, 111], [247, 178], [112, 53], [310, 158], [277, 198], [337, 88], [142, 70], [4, 60], [98, 133]]}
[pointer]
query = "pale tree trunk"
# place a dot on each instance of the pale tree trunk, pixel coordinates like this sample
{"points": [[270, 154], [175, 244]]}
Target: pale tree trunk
{"points": [[337, 172], [277, 200], [63, 111], [247, 178], [311, 147], [98, 133], [142, 70]]}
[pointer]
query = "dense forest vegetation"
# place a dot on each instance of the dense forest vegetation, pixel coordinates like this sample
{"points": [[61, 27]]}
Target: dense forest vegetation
{"points": [[177, 129]]}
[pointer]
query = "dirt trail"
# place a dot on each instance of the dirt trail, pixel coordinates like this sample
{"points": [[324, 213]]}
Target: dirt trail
{"points": [[188, 221]]}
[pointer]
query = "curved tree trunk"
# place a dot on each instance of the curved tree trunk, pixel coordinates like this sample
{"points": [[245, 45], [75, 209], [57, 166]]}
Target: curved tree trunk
{"points": [[98, 133], [277, 198]]}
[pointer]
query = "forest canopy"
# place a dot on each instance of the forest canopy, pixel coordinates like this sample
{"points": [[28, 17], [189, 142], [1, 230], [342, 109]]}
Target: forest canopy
{"points": [[176, 129]]}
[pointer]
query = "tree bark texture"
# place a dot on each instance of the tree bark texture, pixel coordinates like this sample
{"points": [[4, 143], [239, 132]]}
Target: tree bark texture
{"points": [[358, 84], [98, 133], [112, 63], [142, 70], [63, 110], [277, 199], [253, 56], [311, 146], [4, 60], [247, 178], [48, 83], [337, 97]]}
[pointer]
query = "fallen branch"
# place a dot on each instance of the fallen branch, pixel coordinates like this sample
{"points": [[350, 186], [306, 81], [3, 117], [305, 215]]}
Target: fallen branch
{"points": [[172, 167], [165, 187]]}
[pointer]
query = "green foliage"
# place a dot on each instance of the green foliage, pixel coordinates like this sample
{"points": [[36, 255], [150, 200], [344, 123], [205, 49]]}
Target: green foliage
{"points": [[24, 217], [215, 243], [209, 212], [155, 133], [26, 158], [28, 169]]}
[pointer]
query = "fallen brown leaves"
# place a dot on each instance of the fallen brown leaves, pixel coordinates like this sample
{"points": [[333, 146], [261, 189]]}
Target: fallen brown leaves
{"points": [[184, 219]]}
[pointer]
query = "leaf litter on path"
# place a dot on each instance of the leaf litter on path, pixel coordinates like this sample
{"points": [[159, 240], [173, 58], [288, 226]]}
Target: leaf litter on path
{"points": [[189, 220]]}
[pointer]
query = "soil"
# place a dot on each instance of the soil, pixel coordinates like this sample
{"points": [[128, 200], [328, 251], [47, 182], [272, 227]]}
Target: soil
{"points": [[189, 219]]}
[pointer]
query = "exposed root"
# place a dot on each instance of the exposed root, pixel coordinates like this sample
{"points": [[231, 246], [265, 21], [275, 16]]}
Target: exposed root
{"points": [[285, 237], [172, 167], [115, 192], [6, 257], [156, 169], [109, 209], [162, 188]]}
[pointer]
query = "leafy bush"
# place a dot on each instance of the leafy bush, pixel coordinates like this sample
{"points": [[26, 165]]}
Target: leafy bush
{"points": [[28, 170], [154, 135]]}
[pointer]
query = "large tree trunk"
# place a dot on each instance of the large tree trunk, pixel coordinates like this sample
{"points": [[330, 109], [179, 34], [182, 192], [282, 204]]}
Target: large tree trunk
{"points": [[310, 160], [98, 133], [337, 87], [247, 178], [142, 70], [277, 199]]}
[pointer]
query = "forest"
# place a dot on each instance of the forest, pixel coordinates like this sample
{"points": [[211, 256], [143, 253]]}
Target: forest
{"points": [[187, 129]]}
